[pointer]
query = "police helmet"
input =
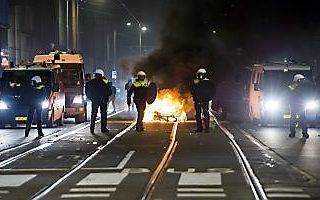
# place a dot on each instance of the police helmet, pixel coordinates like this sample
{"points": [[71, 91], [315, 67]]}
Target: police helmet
{"points": [[141, 73], [201, 73], [99, 72], [298, 77], [36, 79]]}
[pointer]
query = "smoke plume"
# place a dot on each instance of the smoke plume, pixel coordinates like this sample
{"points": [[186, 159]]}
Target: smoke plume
{"points": [[188, 42]]}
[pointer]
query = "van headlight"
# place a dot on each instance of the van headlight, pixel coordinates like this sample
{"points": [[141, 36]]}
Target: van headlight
{"points": [[77, 99], [312, 105], [3, 106], [45, 104], [272, 105]]}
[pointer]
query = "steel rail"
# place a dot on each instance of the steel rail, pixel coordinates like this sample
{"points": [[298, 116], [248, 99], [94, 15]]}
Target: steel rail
{"points": [[162, 165], [41, 194], [248, 172], [46, 144]]}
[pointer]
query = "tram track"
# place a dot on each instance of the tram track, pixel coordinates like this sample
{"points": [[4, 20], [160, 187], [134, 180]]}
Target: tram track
{"points": [[44, 145]]}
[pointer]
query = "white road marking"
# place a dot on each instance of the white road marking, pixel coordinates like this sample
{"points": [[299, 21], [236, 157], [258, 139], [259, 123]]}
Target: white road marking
{"points": [[15, 180], [200, 190], [111, 189], [197, 195], [191, 170], [200, 179], [135, 170], [170, 170], [89, 195], [103, 179], [125, 160], [4, 191], [288, 195], [59, 157], [283, 189], [45, 145]]}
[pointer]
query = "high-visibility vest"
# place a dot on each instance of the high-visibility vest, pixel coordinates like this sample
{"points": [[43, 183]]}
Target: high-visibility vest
{"points": [[105, 80], [144, 83], [196, 81]]}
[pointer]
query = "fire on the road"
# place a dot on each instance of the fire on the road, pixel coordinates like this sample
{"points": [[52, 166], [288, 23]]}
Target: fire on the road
{"points": [[169, 107]]}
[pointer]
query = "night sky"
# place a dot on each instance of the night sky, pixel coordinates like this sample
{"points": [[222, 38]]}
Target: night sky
{"points": [[247, 32]]}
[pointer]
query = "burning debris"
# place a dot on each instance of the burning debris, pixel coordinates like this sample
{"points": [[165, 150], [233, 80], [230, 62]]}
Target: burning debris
{"points": [[169, 106]]}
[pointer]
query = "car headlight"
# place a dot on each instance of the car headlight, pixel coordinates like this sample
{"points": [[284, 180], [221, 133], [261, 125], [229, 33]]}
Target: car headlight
{"points": [[272, 105], [312, 105], [3, 106], [77, 100], [45, 104]]}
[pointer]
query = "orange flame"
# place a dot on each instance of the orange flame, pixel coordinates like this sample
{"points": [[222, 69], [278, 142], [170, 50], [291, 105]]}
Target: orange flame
{"points": [[169, 106]]}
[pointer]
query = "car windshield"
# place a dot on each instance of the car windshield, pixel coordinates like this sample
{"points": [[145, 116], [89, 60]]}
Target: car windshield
{"points": [[72, 77], [16, 82], [278, 80]]}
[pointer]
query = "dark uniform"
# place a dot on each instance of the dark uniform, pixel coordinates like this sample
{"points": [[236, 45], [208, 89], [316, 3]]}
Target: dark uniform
{"points": [[98, 91], [300, 93], [112, 97], [140, 90], [127, 88], [202, 90], [36, 96]]}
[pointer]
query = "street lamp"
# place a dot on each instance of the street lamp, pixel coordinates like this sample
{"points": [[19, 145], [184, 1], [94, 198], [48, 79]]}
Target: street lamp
{"points": [[142, 29]]}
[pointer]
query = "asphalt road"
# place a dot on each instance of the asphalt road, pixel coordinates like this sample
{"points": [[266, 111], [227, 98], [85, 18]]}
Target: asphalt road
{"points": [[72, 163], [288, 168]]}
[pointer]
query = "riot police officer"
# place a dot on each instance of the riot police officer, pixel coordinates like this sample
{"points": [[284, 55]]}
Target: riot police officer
{"points": [[36, 96], [202, 90], [98, 91], [301, 91], [140, 90]]}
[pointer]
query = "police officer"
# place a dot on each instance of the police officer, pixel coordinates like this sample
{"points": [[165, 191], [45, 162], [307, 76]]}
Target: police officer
{"points": [[112, 98], [139, 88], [36, 96], [202, 90], [127, 88], [98, 91], [301, 91]]}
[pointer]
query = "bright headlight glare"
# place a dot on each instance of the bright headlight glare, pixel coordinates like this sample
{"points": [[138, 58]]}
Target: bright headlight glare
{"points": [[77, 100], [311, 105], [3, 106], [45, 104], [271, 105]]}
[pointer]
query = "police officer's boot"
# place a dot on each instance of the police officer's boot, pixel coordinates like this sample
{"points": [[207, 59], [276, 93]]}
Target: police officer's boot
{"points": [[292, 134], [305, 135], [26, 132]]}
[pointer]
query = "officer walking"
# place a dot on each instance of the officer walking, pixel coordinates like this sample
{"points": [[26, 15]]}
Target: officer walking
{"points": [[301, 91], [112, 97], [202, 90], [140, 90], [127, 88], [98, 91], [36, 96]]}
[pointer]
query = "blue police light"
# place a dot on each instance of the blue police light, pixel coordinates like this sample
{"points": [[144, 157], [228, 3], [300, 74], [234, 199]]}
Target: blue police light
{"points": [[3, 106]]}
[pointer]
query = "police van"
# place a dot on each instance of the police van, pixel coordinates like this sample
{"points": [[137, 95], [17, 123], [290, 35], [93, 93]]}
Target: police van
{"points": [[73, 78], [14, 91], [268, 92]]}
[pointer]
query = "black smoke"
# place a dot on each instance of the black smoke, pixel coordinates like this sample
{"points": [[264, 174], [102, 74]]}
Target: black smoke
{"points": [[188, 43]]}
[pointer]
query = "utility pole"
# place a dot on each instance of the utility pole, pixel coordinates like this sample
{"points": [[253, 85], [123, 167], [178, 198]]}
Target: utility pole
{"points": [[114, 48], [67, 24]]}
